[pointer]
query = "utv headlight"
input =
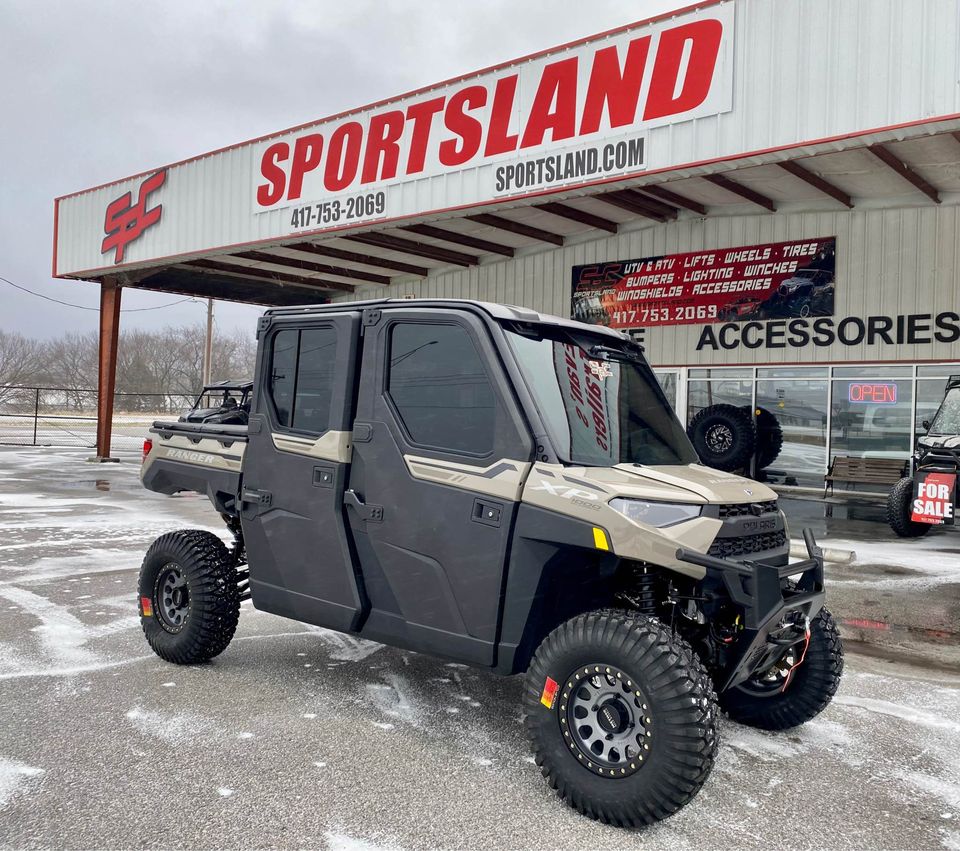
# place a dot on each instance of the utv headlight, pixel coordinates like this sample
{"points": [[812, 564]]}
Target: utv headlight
{"points": [[654, 513]]}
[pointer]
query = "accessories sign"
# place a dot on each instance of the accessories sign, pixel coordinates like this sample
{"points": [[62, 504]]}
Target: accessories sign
{"points": [[754, 282]]}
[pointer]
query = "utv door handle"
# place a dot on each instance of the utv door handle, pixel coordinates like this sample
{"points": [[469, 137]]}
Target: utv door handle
{"points": [[373, 513], [264, 498]]}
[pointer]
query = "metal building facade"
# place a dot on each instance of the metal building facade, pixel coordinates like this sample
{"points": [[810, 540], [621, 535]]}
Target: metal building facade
{"points": [[895, 261]]}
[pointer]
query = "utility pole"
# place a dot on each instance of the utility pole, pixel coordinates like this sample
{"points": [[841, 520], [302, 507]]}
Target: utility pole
{"points": [[208, 345]]}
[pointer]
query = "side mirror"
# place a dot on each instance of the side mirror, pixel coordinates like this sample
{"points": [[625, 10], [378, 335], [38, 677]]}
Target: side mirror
{"points": [[925, 424]]}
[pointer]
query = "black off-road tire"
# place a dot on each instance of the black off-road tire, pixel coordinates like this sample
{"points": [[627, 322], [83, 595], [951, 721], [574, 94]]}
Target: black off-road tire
{"points": [[680, 714], [810, 690], [900, 509], [212, 605], [769, 438], [724, 436]]}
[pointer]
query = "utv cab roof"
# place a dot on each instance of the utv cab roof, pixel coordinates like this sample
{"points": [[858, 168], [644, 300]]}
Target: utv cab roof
{"points": [[498, 312], [229, 384]]}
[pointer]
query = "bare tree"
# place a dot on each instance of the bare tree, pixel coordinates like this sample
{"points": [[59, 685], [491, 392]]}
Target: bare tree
{"points": [[20, 363]]}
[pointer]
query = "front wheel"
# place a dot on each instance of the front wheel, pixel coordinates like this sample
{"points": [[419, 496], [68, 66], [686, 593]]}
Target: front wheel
{"points": [[900, 511], [797, 688], [622, 717], [188, 595]]}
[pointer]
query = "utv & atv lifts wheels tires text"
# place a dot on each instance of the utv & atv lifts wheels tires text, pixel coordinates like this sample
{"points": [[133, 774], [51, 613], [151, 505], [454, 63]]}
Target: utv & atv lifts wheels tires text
{"points": [[622, 717], [900, 510], [724, 436], [777, 699], [189, 601]]}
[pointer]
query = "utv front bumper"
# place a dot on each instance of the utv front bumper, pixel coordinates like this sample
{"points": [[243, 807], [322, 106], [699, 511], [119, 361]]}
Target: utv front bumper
{"points": [[767, 601]]}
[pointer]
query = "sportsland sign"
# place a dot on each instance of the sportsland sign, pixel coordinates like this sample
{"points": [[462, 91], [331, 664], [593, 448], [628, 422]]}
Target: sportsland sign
{"points": [[572, 116]]}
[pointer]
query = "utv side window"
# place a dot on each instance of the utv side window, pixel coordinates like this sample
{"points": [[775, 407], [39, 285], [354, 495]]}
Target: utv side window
{"points": [[283, 374], [301, 378], [439, 386]]}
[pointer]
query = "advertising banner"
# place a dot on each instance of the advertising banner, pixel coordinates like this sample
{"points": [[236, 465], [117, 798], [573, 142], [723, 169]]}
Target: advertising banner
{"points": [[595, 432], [755, 282], [934, 497]]}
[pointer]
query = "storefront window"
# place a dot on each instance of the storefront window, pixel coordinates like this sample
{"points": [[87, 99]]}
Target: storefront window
{"points": [[793, 372], [723, 372], [871, 417], [702, 394], [799, 409], [668, 381]]}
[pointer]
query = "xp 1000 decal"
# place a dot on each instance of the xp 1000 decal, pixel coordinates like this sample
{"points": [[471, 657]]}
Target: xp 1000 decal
{"points": [[772, 281]]}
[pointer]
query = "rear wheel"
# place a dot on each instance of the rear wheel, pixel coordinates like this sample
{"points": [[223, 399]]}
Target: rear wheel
{"points": [[189, 600], [622, 717], [781, 698], [900, 510]]}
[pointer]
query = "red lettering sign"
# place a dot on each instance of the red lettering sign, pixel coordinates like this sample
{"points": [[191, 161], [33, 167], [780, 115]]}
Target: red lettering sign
{"points": [[125, 221], [648, 79], [934, 498]]}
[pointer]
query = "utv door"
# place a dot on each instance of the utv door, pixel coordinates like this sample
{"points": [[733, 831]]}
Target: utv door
{"points": [[295, 469], [440, 455]]}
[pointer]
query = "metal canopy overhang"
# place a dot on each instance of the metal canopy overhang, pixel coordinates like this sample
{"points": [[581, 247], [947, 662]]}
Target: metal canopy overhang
{"points": [[912, 165]]}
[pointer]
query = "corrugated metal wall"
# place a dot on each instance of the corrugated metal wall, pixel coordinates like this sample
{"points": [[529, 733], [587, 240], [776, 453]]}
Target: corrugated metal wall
{"points": [[889, 262]]}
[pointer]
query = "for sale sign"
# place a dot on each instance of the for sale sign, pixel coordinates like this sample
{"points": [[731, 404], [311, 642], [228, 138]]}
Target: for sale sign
{"points": [[934, 498], [749, 283]]}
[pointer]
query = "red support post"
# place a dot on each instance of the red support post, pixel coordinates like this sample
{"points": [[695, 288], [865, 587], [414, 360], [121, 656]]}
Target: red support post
{"points": [[107, 373]]}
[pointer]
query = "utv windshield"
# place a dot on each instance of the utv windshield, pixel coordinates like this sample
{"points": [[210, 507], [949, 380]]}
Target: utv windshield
{"points": [[599, 400], [947, 420]]}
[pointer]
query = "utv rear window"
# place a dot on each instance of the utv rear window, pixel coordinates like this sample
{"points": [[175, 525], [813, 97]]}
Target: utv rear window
{"points": [[301, 378], [440, 388]]}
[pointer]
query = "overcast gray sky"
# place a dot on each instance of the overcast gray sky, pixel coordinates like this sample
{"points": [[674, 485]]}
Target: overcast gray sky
{"points": [[94, 91]]}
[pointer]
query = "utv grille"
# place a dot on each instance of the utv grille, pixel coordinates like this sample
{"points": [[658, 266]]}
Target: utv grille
{"points": [[746, 544], [747, 509]]}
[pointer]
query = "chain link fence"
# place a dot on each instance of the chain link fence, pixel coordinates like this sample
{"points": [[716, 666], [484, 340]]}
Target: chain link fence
{"points": [[67, 416]]}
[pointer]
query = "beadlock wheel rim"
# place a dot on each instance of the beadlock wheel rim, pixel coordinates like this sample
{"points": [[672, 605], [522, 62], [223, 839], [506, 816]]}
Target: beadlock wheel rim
{"points": [[606, 720], [719, 438], [171, 598]]}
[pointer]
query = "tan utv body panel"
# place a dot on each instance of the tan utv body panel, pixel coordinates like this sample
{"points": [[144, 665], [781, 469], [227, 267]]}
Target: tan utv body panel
{"points": [[336, 446], [502, 479], [206, 452], [585, 492]]}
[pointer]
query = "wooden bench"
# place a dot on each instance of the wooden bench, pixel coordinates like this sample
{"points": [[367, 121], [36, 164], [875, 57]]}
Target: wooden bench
{"points": [[868, 471]]}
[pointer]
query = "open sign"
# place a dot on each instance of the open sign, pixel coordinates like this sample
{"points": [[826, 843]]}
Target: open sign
{"points": [[933, 498], [872, 394]]}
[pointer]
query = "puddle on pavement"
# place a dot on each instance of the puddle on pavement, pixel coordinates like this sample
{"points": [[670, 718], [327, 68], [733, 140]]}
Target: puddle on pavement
{"points": [[103, 485], [87, 484]]}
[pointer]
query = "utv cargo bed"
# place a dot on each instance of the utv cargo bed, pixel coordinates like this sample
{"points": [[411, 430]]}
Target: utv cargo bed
{"points": [[201, 457]]}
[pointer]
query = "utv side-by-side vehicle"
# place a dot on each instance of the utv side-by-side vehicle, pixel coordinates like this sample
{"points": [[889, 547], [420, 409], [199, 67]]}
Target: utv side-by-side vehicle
{"points": [[928, 498], [513, 491]]}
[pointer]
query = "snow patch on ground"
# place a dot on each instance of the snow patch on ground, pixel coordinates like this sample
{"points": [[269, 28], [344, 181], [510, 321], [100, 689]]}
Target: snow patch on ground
{"points": [[13, 776], [345, 648], [393, 700], [899, 710], [344, 842], [172, 729], [948, 792]]}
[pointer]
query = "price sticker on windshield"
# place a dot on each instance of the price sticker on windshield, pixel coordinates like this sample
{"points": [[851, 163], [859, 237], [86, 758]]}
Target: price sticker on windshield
{"points": [[934, 496]]}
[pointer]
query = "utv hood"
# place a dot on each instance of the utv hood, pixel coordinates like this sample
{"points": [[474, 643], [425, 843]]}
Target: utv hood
{"points": [[939, 441], [690, 483]]}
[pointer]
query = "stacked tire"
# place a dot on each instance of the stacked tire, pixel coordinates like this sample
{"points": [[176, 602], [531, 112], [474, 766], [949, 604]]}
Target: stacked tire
{"points": [[726, 437]]}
